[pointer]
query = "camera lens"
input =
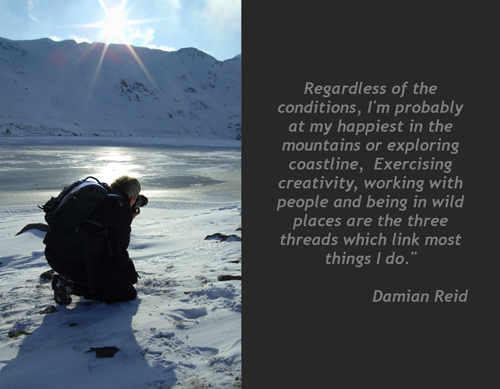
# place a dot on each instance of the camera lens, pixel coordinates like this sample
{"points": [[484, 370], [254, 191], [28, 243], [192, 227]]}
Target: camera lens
{"points": [[142, 201]]}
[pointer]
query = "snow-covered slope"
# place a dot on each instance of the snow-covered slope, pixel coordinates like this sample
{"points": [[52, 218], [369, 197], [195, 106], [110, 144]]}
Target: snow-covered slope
{"points": [[69, 89]]}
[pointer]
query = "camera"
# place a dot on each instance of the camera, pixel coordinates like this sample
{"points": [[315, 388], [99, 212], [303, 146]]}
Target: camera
{"points": [[140, 202]]}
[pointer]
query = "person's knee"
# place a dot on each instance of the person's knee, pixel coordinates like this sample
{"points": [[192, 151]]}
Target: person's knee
{"points": [[132, 295], [128, 295]]}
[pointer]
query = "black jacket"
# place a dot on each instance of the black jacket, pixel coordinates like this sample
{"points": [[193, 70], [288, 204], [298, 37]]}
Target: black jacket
{"points": [[108, 242]]}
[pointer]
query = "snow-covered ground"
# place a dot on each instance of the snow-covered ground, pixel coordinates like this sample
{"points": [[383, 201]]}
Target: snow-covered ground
{"points": [[183, 330]]}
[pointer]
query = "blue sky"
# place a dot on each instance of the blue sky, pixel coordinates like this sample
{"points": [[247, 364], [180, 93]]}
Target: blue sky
{"points": [[212, 26]]}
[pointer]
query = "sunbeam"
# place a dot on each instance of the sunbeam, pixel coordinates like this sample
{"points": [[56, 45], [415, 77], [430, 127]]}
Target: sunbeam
{"points": [[113, 31]]}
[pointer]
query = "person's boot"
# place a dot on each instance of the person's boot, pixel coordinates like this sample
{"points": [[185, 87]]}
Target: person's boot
{"points": [[62, 289]]}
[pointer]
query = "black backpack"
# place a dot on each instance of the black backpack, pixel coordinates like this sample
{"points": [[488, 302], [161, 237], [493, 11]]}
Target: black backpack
{"points": [[74, 204], [66, 212]]}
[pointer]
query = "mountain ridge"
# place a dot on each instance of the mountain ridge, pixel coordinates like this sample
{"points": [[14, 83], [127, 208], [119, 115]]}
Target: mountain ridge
{"points": [[65, 88]]}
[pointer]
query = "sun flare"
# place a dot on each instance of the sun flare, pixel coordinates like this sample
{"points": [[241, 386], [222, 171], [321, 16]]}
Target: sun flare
{"points": [[114, 31], [115, 23]]}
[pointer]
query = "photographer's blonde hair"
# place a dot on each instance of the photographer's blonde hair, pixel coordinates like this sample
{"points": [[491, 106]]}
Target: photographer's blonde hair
{"points": [[129, 186]]}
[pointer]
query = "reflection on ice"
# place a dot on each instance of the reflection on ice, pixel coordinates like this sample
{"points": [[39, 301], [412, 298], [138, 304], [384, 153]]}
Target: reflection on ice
{"points": [[167, 173]]}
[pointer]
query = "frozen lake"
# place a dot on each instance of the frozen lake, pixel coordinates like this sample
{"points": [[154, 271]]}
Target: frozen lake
{"points": [[30, 174]]}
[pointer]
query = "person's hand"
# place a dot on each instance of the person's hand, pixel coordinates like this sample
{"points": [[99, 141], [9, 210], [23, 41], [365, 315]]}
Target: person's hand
{"points": [[135, 212]]}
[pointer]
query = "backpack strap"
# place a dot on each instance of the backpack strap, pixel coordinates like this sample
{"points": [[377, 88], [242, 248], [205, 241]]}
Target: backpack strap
{"points": [[105, 233]]}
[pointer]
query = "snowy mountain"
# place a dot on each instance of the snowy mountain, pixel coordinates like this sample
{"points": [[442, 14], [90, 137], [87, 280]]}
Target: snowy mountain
{"points": [[64, 88]]}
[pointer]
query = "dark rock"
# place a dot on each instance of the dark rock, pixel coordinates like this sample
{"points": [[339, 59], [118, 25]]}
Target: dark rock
{"points": [[34, 226], [16, 333], [104, 352], [222, 238], [50, 309], [228, 278], [47, 275]]}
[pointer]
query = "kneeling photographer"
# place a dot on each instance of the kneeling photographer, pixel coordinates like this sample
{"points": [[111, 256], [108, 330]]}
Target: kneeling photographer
{"points": [[99, 268]]}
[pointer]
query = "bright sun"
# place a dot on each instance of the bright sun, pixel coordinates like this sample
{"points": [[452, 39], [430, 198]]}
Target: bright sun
{"points": [[113, 31], [116, 20]]}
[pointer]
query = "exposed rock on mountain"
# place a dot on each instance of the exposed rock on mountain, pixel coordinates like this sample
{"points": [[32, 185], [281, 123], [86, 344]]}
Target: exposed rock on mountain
{"points": [[68, 89]]}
